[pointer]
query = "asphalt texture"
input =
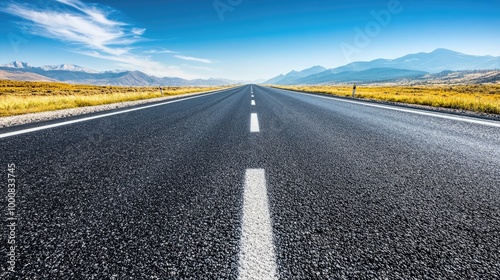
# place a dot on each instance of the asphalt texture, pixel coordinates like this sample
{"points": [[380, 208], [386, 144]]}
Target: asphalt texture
{"points": [[355, 192]]}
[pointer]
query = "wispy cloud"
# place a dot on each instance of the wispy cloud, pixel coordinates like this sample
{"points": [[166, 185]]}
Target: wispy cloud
{"points": [[200, 68], [189, 58], [90, 30], [143, 64], [153, 51], [138, 31], [88, 26]]}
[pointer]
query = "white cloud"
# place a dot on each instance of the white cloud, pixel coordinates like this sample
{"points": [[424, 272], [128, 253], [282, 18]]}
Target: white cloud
{"points": [[98, 15], [201, 68], [89, 28], [189, 58], [138, 31], [143, 64], [159, 51]]}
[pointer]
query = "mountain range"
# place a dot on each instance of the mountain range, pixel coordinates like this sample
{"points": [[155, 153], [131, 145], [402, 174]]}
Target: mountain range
{"points": [[441, 65], [74, 74], [420, 66]]}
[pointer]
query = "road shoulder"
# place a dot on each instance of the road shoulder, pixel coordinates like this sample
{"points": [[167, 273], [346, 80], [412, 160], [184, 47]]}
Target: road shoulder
{"points": [[64, 113], [459, 112]]}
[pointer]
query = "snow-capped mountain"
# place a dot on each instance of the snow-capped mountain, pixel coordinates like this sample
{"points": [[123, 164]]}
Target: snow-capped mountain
{"points": [[17, 64], [62, 67], [69, 73], [67, 67]]}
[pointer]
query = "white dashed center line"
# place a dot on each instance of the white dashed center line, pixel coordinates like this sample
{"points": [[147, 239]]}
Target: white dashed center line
{"points": [[257, 258], [254, 123]]}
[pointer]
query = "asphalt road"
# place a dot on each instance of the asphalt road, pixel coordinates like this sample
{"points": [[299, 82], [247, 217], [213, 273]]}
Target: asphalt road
{"points": [[307, 188]]}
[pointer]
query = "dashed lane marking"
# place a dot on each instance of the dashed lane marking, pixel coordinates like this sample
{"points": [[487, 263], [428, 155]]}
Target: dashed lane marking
{"points": [[254, 123], [257, 258]]}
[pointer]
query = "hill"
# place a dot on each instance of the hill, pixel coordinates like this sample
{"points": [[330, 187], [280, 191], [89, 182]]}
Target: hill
{"points": [[73, 74], [419, 66]]}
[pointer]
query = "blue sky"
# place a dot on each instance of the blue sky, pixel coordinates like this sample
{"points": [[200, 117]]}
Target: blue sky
{"points": [[239, 39]]}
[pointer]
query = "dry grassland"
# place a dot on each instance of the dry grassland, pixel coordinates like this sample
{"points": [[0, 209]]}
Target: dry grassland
{"points": [[31, 97], [477, 98]]}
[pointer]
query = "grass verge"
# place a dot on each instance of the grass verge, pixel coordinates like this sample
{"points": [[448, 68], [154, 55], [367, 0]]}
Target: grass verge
{"points": [[31, 97], [476, 98]]}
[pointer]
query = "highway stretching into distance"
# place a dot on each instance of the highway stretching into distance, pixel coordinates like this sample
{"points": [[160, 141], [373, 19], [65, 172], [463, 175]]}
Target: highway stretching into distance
{"points": [[255, 183]]}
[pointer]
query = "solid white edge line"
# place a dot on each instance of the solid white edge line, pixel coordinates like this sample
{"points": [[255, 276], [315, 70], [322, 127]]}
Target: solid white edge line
{"points": [[23, 131], [257, 258], [414, 111], [254, 123]]}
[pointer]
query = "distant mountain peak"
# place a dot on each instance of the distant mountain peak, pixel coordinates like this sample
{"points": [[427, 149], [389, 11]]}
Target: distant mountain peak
{"points": [[446, 51], [410, 65], [62, 67], [115, 71], [317, 67], [294, 75], [17, 64], [67, 67], [74, 74]]}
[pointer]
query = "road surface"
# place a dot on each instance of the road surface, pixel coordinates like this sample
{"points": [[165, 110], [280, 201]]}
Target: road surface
{"points": [[253, 182]]}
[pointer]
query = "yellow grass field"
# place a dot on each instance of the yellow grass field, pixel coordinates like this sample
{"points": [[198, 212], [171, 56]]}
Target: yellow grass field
{"points": [[477, 98], [31, 97]]}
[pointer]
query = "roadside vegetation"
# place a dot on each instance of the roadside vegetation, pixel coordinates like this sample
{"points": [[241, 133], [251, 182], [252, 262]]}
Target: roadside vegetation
{"points": [[30, 97], [478, 98]]}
